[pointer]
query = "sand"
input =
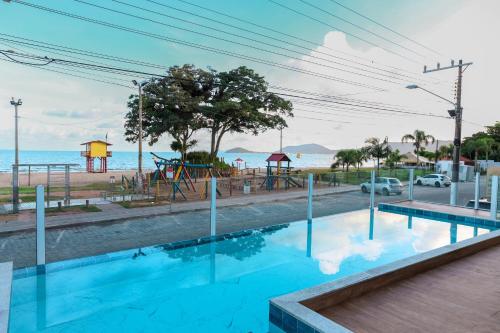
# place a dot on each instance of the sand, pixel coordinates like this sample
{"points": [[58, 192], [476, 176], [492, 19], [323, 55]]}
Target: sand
{"points": [[76, 178]]}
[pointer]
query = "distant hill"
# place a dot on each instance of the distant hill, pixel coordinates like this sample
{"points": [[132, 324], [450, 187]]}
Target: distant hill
{"points": [[239, 150], [309, 148]]}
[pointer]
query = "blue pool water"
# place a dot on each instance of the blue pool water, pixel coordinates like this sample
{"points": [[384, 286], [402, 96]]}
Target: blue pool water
{"points": [[221, 286]]}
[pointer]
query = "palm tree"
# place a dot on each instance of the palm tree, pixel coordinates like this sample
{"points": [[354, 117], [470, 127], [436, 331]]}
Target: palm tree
{"points": [[393, 158], [346, 157], [446, 151], [489, 144], [475, 145], [419, 139], [378, 149], [360, 156]]}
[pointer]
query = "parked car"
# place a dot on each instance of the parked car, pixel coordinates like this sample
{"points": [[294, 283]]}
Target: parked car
{"points": [[434, 179], [384, 185], [483, 204]]}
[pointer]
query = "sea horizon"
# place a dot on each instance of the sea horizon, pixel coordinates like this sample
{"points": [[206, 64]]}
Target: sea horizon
{"points": [[127, 160]]}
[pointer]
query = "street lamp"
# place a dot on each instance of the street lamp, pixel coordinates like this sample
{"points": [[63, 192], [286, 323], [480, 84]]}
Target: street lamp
{"points": [[16, 104], [15, 174], [140, 85], [457, 114]]}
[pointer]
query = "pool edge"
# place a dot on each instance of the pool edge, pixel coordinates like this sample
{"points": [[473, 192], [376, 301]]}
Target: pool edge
{"points": [[299, 309]]}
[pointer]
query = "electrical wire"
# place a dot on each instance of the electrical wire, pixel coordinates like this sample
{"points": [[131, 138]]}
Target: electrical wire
{"points": [[262, 35], [198, 46], [244, 44], [360, 27], [385, 27], [343, 31], [290, 35]]}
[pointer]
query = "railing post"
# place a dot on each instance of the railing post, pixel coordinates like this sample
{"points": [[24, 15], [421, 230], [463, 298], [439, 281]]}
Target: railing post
{"points": [[309, 197], [476, 192], [213, 207], [494, 197], [410, 185], [372, 190], [40, 226]]}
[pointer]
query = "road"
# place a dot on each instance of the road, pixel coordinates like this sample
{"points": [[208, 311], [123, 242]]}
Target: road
{"points": [[101, 238]]}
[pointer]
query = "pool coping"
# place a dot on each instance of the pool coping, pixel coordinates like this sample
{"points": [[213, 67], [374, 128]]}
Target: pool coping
{"points": [[395, 207], [297, 311], [5, 294]]}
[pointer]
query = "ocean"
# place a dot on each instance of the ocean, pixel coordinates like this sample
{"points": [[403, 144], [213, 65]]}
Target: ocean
{"points": [[122, 160]]}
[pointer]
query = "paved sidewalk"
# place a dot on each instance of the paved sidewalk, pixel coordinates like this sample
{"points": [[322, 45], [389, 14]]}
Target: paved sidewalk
{"points": [[115, 212]]}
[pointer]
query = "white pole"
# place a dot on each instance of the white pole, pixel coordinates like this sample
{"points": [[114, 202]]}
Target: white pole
{"points": [[453, 193], [213, 207], [410, 185], [40, 226], [310, 197], [372, 190], [494, 197], [476, 192]]}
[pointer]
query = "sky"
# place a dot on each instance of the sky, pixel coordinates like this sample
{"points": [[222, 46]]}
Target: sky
{"points": [[59, 111]]}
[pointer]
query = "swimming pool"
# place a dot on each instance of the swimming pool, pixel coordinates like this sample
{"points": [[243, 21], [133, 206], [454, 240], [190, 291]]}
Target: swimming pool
{"points": [[221, 286]]}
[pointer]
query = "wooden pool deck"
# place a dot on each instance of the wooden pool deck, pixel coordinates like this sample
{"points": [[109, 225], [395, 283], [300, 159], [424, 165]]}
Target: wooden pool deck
{"points": [[462, 296]]}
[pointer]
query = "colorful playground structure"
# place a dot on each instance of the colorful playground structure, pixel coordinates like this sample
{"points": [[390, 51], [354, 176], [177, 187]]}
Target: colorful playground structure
{"points": [[96, 149], [174, 173], [279, 173]]}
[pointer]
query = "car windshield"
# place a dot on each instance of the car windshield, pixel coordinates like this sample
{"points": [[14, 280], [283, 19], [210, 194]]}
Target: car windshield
{"points": [[394, 181]]}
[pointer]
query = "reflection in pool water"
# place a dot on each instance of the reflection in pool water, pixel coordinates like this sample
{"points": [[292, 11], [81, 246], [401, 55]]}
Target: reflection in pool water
{"points": [[220, 286]]}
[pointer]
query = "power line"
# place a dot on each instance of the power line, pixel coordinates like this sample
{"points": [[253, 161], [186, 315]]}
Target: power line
{"points": [[363, 106], [243, 44], [199, 46], [290, 35], [345, 32], [73, 75], [262, 35], [385, 27], [359, 27]]}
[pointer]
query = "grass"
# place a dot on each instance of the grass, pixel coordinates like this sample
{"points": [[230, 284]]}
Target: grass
{"points": [[79, 208]]}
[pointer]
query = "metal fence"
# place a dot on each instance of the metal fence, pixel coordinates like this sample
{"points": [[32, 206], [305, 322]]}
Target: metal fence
{"points": [[65, 188]]}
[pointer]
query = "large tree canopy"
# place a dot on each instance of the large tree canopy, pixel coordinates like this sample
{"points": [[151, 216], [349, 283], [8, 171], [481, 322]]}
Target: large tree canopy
{"points": [[188, 99]]}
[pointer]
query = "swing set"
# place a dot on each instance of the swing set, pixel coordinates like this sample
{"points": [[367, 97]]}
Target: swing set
{"points": [[173, 173]]}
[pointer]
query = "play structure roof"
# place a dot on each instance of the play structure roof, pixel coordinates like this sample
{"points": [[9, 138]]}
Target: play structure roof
{"points": [[278, 157], [100, 141]]}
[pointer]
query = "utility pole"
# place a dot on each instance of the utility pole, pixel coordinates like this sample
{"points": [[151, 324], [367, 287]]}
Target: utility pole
{"points": [[457, 114], [281, 139]]}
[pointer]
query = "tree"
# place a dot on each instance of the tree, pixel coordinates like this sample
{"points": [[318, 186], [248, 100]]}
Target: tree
{"points": [[378, 149], [393, 158], [477, 145], [446, 151], [172, 106], [240, 103], [361, 155], [346, 158], [420, 140]]}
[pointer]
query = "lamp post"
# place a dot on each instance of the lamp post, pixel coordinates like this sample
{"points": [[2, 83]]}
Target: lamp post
{"points": [[457, 114], [15, 171], [16, 105], [139, 162]]}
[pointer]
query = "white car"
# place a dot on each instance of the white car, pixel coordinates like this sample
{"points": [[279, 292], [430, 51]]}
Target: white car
{"points": [[434, 179], [384, 185]]}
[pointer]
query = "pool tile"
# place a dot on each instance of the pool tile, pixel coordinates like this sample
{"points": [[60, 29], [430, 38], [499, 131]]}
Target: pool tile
{"points": [[303, 328], [289, 323], [276, 316]]}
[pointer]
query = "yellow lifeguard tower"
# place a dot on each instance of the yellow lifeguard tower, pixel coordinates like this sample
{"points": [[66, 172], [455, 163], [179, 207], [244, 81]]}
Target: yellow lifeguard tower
{"points": [[96, 149]]}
